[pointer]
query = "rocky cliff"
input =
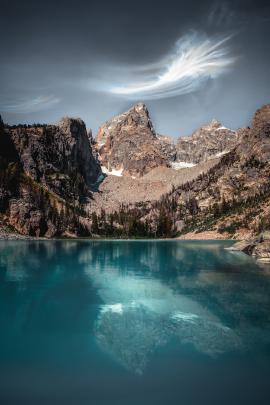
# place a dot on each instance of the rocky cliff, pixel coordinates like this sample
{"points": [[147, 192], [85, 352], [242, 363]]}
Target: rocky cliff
{"points": [[168, 147], [47, 171], [210, 141], [128, 144], [57, 156]]}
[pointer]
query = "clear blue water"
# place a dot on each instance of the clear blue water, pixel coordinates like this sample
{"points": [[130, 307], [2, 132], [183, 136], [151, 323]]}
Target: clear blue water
{"points": [[132, 323]]}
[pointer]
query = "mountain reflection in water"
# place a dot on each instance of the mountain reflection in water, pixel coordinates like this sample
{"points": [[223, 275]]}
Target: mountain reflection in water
{"points": [[93, 308]]}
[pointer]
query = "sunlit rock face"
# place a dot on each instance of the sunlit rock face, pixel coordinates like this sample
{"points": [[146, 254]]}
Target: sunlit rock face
{"points": [[210, 141], [129, 143]]}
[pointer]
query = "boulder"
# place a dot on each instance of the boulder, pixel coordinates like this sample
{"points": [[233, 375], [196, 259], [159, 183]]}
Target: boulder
{"points": [[243, 246], [262, 251], [258, 247]]}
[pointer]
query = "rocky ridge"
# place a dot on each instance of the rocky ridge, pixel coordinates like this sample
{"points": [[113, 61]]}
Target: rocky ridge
{"points": [[210, 141]]}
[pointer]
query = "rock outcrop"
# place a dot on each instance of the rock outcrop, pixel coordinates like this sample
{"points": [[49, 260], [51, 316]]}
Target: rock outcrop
{"points": [[168, 147], [210, 141], [128, 144], [258, 247]]}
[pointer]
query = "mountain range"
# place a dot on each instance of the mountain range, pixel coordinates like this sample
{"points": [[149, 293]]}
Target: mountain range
{"points": [[129, 181]]}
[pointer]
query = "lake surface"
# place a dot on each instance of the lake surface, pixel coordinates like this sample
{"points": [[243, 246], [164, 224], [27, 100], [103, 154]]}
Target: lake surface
{"points": [[133, 323]]}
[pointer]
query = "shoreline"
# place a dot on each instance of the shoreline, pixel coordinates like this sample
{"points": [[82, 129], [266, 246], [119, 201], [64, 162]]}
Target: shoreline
{"points": [[179, 238], [206, 235]]}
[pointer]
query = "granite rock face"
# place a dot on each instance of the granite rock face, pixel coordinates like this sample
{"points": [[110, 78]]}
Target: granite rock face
{"points": [[59, 156], [210, 141], [168, 147], [128, 143], [46, 173]]}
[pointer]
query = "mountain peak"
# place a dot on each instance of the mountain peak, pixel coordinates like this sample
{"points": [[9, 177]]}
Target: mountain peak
{"points": [[73, 125], [261, 121], [140, 107], [128, 142], [213, 124], [210, 141]]}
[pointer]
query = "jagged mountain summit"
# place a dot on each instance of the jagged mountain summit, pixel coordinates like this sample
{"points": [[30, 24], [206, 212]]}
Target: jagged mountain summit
{"points": [[127, 144], [210, 141]]}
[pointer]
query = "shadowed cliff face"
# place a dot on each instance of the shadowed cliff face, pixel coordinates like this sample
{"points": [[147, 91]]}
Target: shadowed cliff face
{"points": [[44, 168], [129, 143], [54, 154]]}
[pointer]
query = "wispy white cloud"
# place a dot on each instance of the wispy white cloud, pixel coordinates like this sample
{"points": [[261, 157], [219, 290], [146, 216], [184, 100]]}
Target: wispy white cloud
{"points": [[195, 59], [29, 105]]}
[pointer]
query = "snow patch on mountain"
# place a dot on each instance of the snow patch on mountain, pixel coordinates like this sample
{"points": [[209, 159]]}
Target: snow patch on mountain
{"points": [[181, 165]]}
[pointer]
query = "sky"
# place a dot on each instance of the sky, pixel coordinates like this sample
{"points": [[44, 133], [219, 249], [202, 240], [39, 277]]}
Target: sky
{"points": [[189, 62]]}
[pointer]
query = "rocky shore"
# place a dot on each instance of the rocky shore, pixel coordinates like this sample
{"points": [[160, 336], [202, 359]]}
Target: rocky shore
{"points": [[258, 247]]}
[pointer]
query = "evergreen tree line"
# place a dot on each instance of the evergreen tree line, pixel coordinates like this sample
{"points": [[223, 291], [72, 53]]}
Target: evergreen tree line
{"points": [[133, 222]]}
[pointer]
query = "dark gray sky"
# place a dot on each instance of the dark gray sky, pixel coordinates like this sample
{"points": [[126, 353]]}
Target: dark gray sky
{"points": [[190, 61]]}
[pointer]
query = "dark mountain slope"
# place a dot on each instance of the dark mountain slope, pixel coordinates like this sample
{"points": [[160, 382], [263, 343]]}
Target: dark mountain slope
{"points": [[47, 172]]}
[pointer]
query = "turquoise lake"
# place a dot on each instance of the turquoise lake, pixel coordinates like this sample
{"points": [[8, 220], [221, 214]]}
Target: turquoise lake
{"points": [[133, 323]]}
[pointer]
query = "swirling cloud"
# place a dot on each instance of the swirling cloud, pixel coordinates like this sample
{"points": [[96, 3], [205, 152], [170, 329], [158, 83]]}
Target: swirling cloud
{"points": [[194, 60], [28, 105]]}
